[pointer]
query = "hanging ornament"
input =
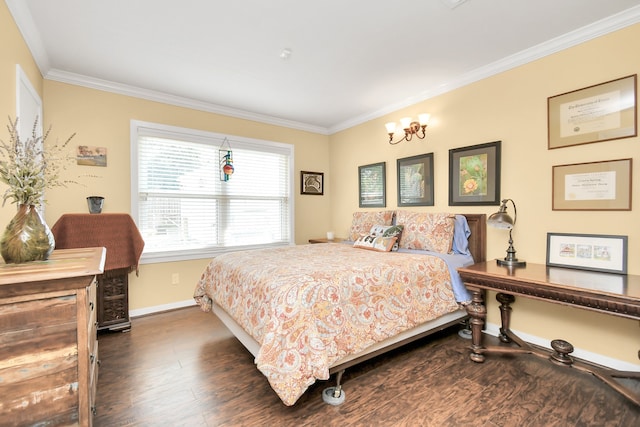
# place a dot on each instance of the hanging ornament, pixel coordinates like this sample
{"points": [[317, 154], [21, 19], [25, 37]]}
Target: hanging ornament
{"points": [[226, 161]]}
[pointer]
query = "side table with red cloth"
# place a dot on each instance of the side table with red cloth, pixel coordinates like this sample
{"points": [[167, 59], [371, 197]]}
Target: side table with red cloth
{"points": [[119, 234]]}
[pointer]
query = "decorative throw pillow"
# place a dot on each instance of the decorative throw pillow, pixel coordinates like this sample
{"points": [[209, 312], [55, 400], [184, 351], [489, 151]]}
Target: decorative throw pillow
{"points": [[375, 243], [388, 231], [426, 231], [363, 221]]}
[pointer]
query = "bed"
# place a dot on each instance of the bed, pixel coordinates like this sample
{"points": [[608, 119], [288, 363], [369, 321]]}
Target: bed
{"points": [[308, 311]]}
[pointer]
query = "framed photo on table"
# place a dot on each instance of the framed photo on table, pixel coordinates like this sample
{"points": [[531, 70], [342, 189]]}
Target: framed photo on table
{"points": [[594, 252], [474, 175], [594, 186], [415, 180], [596, 113], [372, 185]]}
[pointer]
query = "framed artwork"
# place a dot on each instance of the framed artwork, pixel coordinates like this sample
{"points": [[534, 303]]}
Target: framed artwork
{"points": [[474, 175], [596, 113], [312, 183], [91, 156], [415, 180], [594, 252], [595, 186], [371, 185]]}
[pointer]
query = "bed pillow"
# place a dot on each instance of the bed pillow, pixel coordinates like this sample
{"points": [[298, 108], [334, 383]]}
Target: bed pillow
{"points": [[375, 243], [461, 235], [363, 221], [388, 231], [426, 231]]}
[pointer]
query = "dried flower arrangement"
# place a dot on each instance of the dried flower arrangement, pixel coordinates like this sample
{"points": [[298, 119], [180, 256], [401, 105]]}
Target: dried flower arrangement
{"points": [[28, 167]]}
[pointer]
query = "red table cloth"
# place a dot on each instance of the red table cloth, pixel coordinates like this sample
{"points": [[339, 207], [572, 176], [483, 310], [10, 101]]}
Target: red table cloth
{"points": [[115, 231]]}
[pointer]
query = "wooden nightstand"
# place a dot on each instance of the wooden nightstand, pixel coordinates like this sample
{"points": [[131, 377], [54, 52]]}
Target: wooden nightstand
{"points": [[325, 240], [118, 233]]}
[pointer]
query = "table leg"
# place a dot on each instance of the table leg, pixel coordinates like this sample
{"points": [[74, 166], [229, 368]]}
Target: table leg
{"points": [[478, 313], [505, 301]]}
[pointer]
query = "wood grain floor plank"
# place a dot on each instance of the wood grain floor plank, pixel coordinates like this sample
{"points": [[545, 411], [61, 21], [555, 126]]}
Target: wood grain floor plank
{"points": [[184, 368]]}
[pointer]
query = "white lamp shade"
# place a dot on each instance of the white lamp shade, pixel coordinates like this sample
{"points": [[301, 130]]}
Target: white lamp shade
{"points": [[405, 122], [424, 118], [391, 127]]}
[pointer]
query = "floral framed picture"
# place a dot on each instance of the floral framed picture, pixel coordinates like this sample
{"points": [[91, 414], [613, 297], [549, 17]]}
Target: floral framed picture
{"points": [[415, 180], [474, 175], [372, 185]]}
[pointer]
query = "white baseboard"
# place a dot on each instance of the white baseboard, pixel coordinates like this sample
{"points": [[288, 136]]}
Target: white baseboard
{"points": [[620, 365], [160, 308]]}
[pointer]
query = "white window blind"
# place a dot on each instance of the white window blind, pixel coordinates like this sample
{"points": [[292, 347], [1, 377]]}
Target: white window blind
{"points": [[185, 211]]}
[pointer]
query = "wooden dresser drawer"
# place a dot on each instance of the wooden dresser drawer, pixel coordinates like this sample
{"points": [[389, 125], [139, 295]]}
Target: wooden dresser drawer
{"points": [[39, 360]]}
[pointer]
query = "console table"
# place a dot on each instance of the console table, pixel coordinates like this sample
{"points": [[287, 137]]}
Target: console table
{"points": [[118, 233], [614, 294]]}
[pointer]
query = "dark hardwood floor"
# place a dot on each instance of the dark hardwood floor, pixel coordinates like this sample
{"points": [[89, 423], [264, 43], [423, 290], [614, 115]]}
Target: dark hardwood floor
{"points": [[184, 368]]}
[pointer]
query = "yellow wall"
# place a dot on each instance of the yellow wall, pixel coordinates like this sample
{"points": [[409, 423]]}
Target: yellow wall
{"points": [[103, 119], [512, 107], [13, 50]]}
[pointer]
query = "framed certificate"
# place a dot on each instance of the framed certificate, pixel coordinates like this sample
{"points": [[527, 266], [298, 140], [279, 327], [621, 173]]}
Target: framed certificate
{"points": [[593, 114], [595, 186]]}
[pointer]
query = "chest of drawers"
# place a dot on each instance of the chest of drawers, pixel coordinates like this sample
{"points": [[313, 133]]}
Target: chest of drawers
{"points": [[48, 341]]}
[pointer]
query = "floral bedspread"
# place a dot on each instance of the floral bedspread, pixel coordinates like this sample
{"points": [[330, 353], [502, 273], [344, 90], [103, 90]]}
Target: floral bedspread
{"points": [[310, 305]]}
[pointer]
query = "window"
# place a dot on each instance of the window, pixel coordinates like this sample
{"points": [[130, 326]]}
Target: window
{"points": [[183, 208]]}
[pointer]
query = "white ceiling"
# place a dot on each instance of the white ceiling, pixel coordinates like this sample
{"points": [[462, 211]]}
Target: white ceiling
{"points": [[351, 60]]}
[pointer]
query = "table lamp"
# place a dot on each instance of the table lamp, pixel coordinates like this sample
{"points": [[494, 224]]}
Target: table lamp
{"points": [[503, 220]]}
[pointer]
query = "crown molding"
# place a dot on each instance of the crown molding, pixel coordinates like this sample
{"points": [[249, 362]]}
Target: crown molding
{"points": [[30, 33], [136, 92], [24, 21], [605, 26]]}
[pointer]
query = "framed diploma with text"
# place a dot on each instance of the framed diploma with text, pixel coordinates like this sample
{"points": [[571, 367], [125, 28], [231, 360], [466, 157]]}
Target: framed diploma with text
{"points": [[595, 186], [593, 114]]}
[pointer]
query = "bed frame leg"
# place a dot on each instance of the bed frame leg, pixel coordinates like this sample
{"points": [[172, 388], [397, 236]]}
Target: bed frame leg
{"points": [[334, 395]]}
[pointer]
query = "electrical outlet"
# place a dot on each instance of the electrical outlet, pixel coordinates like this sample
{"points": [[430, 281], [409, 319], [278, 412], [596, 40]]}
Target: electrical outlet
{"points": [[175, 279]]}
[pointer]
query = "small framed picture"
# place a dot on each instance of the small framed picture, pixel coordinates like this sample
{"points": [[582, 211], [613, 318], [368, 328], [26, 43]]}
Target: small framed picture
{"points": [[474, 175], [596, 252], [312, 183], [372, 185], [91, 156], [415, 180]]}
